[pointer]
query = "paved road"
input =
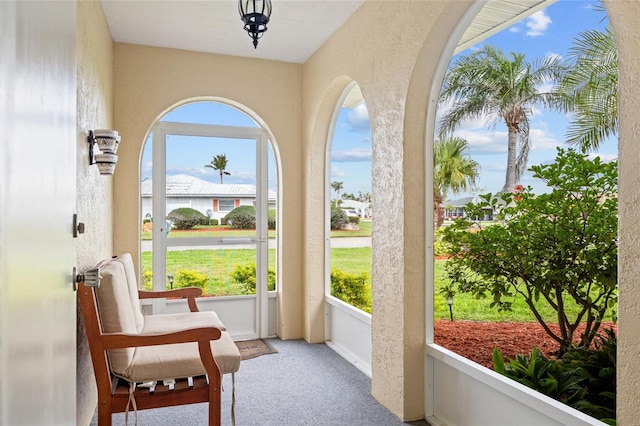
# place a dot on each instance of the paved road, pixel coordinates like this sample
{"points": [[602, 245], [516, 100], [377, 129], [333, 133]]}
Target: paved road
{"points": [[344, 242]]}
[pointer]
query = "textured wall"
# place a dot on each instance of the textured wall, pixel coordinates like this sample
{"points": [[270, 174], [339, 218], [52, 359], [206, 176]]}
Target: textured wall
{"points": [[624, 18], [150, 81], [382, 63], [94, 192]]}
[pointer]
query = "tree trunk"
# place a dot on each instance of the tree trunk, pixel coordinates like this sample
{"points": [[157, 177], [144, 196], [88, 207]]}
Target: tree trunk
{"points": [[510, 179], [438, 217]]}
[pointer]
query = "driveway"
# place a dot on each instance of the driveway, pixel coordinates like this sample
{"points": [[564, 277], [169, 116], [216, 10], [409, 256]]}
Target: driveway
{"points": [[343, 242]]}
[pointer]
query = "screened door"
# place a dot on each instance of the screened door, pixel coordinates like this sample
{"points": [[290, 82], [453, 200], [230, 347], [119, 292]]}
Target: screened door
{"points": [[210, 233]]}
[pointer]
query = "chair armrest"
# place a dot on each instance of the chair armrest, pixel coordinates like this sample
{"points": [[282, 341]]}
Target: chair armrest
{"points": [[125, 340], [202, 335], [190, 293]]}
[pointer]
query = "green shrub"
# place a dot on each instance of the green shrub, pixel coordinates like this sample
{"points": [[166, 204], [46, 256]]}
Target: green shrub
{"points": [[354, 219], [246, 276], [584, 378], [351, 288], [213, 222], [224, 221], [191, 278], [242, 217], [596, 365], [439, 247], [186, 218], [147, 279], [338, 218], [271, 219]]}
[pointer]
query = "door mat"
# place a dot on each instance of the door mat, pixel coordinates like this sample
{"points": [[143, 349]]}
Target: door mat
{"points": [[254, 348]]}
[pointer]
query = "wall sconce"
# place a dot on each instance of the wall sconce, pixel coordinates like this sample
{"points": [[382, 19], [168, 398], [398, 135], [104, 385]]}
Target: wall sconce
{"points": [[107, 141]]}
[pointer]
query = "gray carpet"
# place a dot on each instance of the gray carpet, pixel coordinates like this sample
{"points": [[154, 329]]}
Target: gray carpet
{"points": [[302, 384]]}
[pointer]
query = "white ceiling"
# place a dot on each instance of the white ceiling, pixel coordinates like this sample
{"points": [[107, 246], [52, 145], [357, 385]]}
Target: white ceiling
{"points": [[297, 27], [296, 30]]}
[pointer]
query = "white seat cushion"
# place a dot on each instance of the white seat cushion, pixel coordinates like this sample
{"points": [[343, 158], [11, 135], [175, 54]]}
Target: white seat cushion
{"points": [[181, 360], [166, 323]]}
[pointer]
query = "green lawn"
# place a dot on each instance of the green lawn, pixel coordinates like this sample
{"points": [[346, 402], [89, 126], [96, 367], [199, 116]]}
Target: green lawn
{"points": [[218, 265]]}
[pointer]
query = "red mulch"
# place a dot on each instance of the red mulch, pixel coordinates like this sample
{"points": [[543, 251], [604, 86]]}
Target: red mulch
{"points": [[476, 340]]}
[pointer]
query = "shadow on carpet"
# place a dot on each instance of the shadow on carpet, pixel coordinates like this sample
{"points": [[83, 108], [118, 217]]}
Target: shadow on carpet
{"points": [[255, 348]]}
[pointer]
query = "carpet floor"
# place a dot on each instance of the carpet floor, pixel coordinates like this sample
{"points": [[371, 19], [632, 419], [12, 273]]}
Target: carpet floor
{"points": [[301, 384]]}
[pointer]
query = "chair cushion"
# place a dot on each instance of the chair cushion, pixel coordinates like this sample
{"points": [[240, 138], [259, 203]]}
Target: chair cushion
{"points": [[167, 323], [116, 312], [181, 360], [132, 282]]}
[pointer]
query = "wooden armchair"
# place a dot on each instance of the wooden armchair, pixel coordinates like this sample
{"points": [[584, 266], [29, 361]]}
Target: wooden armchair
{"points": [[154, 361]]}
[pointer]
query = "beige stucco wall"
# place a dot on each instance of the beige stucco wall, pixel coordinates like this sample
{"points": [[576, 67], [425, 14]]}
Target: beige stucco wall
{"points": [[624, 17], [94, 192], [149, 81], [382, 63]]}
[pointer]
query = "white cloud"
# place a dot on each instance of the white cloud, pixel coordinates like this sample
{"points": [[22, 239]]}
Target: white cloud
{"points": [[606, 158], [541, 139], [537, 24], [514, 29], [358, 118], [352, 155], [336, 172], [554, 55]]}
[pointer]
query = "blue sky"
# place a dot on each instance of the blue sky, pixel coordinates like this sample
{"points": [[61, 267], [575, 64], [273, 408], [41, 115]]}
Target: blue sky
{"points": [[549, 32], [189, 155]]}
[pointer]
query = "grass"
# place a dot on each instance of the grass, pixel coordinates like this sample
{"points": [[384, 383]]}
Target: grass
{"points": [[218, 265], [467, 307]]}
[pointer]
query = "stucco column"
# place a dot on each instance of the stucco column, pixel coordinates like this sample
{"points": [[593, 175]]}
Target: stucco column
{"points": [[624, 16]]}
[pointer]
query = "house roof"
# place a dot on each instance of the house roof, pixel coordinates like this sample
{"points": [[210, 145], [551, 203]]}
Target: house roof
{"points": [[191, 186]]}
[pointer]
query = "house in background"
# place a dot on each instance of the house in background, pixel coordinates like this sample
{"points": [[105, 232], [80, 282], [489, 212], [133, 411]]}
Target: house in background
{"points": [[454, 209], [211, 199], [363, 209]]}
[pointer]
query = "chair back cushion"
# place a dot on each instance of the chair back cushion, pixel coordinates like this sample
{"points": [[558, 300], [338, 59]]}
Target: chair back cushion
{"points": [[116, 312], [132, 283]]}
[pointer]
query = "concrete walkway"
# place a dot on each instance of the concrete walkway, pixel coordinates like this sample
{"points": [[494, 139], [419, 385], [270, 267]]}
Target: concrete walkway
{"points": [[343, 242]]}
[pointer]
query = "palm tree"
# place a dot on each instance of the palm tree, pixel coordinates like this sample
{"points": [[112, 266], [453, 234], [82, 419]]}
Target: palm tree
{"points": [[453, 172], [590, 89], [337, 186], [219, 163], [486, 84]]}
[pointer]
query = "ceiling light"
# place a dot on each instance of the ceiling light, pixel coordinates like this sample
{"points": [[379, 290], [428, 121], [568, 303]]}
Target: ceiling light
{"points": [[255, 15]]}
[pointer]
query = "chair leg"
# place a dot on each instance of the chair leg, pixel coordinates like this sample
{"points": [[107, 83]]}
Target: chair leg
{"points": [[215, 401], [104, 412]]}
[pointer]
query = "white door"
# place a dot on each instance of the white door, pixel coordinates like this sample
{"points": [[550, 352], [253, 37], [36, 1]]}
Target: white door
{"points": [[245, 313], [37, 200]]}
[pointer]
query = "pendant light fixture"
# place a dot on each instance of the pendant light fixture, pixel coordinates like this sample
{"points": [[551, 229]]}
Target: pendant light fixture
{"points": [[255, 15]]}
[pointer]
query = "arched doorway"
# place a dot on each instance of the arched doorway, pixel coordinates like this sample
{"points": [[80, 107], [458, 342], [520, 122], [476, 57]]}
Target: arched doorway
{"points": [[208, 214]]}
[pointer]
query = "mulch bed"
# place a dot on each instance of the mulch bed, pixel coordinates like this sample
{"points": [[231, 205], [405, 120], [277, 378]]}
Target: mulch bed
{"points": [[476, 340]]}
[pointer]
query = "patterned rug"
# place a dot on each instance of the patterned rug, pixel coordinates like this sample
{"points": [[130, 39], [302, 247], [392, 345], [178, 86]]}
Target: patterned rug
{"points": [[254, 348]]}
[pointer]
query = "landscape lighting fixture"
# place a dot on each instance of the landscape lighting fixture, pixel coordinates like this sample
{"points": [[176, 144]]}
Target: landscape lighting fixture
{"points": [[449, 300], [255, 15]]}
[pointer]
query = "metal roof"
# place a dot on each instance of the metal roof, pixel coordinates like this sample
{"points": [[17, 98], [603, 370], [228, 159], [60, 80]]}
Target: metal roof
{"points": [[191, 186]]}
